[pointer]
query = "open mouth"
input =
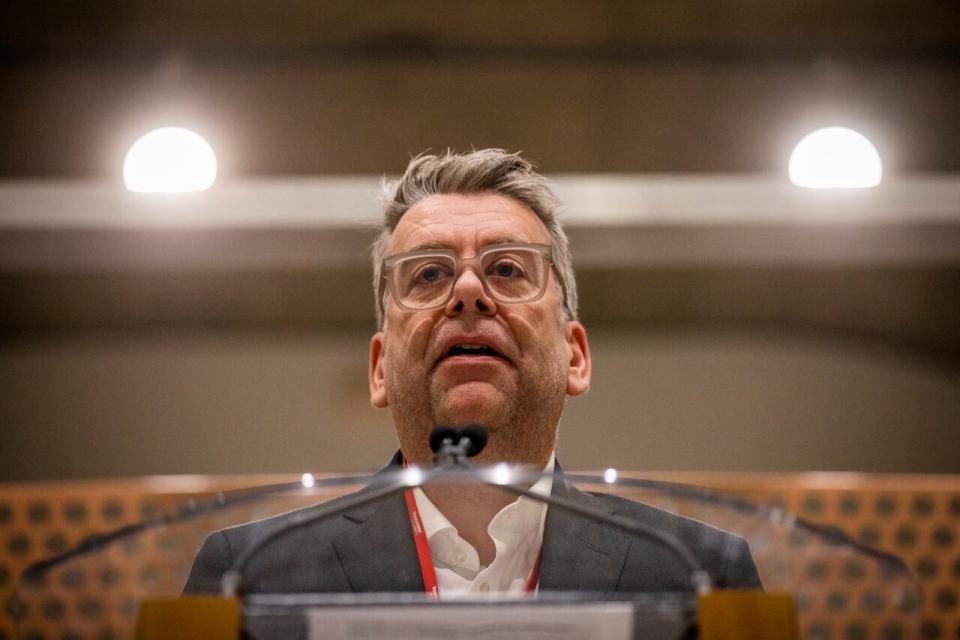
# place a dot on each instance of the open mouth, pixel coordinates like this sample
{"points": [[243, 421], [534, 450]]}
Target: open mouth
{"points": [[472, 350]]}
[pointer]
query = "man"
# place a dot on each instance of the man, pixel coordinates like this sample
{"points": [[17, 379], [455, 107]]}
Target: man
{"points": [[477, 310]]}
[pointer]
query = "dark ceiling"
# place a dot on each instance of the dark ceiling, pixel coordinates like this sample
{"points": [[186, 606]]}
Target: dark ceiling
{"points": [[341, 87], [344, 87]]}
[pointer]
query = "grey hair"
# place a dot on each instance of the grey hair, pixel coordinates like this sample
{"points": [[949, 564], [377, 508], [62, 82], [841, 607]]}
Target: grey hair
{"points": [[484, 170]]}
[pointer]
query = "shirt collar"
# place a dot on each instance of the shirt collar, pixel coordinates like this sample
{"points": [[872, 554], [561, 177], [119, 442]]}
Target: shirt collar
{"points": [[434, 521]]}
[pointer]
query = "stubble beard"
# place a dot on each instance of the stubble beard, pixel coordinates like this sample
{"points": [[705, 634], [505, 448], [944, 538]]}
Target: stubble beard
{"points": [[522, 426]]}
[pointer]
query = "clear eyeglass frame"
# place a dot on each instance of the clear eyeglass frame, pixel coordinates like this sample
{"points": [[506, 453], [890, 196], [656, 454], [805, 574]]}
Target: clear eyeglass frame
{"points": [[460, 265]]}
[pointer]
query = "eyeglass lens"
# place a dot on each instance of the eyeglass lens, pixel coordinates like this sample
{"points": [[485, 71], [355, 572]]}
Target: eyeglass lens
{"points": [[511, 275]]}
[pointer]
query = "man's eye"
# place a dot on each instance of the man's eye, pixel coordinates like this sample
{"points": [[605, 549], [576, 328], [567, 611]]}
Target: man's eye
{"points": [[430, 274], [505, 269]]}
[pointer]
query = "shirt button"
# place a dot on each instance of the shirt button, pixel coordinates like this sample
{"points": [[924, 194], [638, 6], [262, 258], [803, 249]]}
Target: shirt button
{"points": [[461, 556], [484, 587]]}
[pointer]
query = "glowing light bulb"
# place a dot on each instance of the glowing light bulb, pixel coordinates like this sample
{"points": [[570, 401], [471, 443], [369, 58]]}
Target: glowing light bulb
{"points": [[307, 480], [170, 160], [835, 158], [610, 476]]}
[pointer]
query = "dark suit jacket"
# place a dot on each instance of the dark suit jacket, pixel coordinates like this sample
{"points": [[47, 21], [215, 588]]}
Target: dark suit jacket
{"points": [[370, 548]]}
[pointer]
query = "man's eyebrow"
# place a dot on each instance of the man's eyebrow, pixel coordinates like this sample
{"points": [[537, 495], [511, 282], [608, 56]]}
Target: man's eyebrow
{"points": [[502, 240], [428, 246], [434, 245]]}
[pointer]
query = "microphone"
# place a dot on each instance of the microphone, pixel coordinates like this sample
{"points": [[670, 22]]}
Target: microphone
{"points": [[442, 434], [477, 436], [451, 446]]}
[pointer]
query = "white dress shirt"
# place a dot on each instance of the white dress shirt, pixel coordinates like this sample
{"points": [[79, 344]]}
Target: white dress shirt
{"points": [[517, 532]]}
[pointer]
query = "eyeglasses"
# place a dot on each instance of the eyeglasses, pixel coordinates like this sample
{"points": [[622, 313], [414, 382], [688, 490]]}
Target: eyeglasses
{"points": [[510, 273]]}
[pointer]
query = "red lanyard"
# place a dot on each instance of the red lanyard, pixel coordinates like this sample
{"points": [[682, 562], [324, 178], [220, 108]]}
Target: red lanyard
{"points": [[426, 560]]}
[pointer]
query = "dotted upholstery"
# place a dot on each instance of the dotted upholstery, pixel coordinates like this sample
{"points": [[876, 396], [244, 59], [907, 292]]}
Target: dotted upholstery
{"points": [[841, 596]]}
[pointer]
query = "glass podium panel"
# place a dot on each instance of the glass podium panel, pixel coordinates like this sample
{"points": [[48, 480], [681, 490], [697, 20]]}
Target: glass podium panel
{"points": [[842, 587], [648, 532], [97, 594]]}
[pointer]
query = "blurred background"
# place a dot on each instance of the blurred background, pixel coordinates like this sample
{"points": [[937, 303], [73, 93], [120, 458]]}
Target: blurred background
{"points": [[738, 321]]}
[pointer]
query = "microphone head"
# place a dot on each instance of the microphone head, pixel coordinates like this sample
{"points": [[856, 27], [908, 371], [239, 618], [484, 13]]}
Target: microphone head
{"points": [[439, 434], [477, 434]]}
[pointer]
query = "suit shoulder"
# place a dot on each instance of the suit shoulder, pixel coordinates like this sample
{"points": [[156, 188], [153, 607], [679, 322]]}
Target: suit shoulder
{"points": [[240, 535], [653, 515], [684, 527], [726, 556], [290, 560]]}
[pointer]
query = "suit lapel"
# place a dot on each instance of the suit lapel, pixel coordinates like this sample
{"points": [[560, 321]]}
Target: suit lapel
{"points": [[580, 554], [378, 553]]}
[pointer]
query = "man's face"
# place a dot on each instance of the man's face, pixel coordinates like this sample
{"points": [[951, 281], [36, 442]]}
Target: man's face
{"points": [[419, 368]]}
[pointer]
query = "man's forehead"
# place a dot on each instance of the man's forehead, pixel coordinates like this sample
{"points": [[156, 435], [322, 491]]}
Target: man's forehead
{"points": [[456, 220]]}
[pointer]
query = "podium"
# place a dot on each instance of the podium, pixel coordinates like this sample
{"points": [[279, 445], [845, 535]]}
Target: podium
{"points": [[837, 587]]}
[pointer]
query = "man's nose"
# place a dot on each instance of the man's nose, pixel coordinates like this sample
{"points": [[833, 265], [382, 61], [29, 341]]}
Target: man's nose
{"points": [[469, 296]]}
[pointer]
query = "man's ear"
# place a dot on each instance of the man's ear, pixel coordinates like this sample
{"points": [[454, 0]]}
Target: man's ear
{"points": [[375, 376], [578, 373]]}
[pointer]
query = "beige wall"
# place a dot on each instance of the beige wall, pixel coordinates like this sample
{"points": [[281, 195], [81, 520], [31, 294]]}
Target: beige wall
{"points": [[84, 406]]}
